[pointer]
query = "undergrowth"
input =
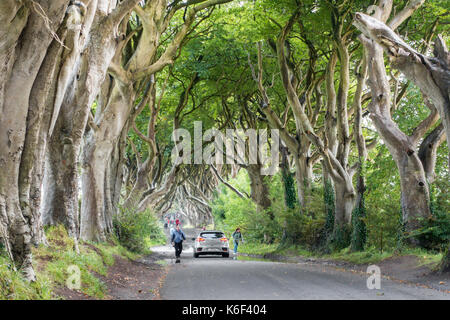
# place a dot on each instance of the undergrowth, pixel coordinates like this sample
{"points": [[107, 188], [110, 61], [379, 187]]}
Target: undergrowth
{"points": [[51, 263]]}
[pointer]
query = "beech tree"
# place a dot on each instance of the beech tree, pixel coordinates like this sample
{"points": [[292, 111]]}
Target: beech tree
{"points": [[415, 192], [91, 91], [37, 75], [112, 117]]}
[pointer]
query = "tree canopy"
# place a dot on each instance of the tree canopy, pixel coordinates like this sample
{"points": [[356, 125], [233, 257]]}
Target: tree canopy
{"points": [[92, 91]]}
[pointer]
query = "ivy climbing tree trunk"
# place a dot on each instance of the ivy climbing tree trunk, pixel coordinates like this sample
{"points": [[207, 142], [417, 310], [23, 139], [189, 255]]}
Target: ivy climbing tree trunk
{"points": [[288, 181], [359, 233], [329, 201], [445, 263]]}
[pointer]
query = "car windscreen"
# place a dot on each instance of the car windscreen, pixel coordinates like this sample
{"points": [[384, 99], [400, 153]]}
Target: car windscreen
{"points": [[212, 235]]}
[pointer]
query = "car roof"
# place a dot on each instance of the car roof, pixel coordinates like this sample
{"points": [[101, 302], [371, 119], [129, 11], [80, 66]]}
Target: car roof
{"points": [[211, 231]]}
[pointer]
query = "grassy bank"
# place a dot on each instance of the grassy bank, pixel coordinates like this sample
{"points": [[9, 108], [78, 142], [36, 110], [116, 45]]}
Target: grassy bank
{"points": [[52, 264], [369, 256]]}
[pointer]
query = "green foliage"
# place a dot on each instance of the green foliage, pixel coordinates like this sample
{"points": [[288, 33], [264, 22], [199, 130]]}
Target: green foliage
{"points": [[328, 199], [444, 265], [290, 226], [289, 189], [255, 248], [382, 200], [435, 231], [51, 263], [359, 233], [369, 256], [55, 259], [242, 213], [133, 228], [230, 211], [340, 237]]}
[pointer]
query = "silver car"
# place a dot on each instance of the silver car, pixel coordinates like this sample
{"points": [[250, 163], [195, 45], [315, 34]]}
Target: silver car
{"points": [[211, 242]]}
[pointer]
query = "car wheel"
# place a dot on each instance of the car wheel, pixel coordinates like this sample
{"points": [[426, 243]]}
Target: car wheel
{"points": [[195, 255], [225, 255]]}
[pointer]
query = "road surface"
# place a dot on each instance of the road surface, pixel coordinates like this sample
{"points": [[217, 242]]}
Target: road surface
{"points": [[217, 278]]}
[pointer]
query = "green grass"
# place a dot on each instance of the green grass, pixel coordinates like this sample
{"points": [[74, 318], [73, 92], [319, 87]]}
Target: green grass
{"points": [[14, 287], [293, 251], [369, 256], [255, 248], [427, 258], [274, 248], [108, 251], [152, 242], [52, 263], [362, 257], [162, 262], [373, 255]]}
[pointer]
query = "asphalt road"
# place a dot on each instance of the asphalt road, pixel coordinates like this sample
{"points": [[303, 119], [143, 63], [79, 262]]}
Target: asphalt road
{"points": [[217, 278]]}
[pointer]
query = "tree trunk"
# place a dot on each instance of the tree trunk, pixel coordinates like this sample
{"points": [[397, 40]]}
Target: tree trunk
{"points": [[259, 189], [117, 171], [329, 201], [303, 176], [97, 160], [288, 181], [343, 208], [345, 200], [359, 235], [75, 111], [96, 156], [21, 65], [415, 194], [431, 75], [61, 183], [428, 151], [415, 200]]}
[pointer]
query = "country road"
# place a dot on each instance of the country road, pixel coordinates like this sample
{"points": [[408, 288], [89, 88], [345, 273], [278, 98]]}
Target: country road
{"points": [[217, 278]]}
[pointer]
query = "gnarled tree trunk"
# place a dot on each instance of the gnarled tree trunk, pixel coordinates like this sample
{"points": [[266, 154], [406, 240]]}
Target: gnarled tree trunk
{"points": [[415, 200], [24, 46], [92, 65], [259, 188]]}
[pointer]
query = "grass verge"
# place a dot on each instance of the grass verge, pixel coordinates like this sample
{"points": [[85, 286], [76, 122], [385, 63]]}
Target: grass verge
{"points": [[52, 264], [368, 256]]}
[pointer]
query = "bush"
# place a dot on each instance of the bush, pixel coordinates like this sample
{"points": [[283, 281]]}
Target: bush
{"points": [[290, 226], [435, 232], [133, 229]]}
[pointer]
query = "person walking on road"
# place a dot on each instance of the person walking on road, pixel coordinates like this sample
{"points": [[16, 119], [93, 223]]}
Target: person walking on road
{"points": [[177, 241], [237, 237]]}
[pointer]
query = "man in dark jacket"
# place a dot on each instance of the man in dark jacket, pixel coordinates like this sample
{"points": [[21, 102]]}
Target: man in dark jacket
{"points": [[177, 241]]}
